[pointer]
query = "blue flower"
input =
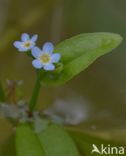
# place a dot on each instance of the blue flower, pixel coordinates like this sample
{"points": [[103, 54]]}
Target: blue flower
{"points": [[26, 42], [45, 58]]}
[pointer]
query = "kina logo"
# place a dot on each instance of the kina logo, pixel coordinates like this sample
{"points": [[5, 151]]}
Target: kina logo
{"points": [[108, 149]]}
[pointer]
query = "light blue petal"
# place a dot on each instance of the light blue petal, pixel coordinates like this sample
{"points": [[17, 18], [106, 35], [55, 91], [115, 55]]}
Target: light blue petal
{"points": [[34, 38], [48, 47], [18, 44], [49, 67], [22, 49], [36, 52], [32, 45], [37, 64], [55, 57], [25, 37]]}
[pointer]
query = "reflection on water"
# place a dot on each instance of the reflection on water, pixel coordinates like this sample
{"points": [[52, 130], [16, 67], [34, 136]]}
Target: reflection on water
{"points": [[97, 115], [72, 109]]}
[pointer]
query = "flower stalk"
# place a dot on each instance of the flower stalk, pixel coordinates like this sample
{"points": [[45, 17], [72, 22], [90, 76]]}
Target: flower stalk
{"points": [[35, 93]]}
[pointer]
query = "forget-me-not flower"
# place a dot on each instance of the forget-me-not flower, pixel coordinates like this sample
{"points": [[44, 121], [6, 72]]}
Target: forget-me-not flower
{"points": [[45, 58], [26, 42]]}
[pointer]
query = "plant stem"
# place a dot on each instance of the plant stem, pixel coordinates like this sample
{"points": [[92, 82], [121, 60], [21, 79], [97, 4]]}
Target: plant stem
{"points": [[35, 93]]}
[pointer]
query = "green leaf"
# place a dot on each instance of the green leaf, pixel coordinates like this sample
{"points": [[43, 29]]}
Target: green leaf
{"points": [[56, 142], [2, 95], [27, 143], [79, 52], [85, 143]]}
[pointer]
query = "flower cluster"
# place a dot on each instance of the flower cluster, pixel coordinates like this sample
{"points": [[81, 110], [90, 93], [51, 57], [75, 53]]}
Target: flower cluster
{"points": [[44, 58]]}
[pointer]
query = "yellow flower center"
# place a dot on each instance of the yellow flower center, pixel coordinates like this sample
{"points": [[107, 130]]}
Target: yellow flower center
{"points": [[45, 58], [27, 44]]}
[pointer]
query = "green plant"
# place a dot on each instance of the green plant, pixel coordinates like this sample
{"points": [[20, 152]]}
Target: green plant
{"points": [[35, 134]]}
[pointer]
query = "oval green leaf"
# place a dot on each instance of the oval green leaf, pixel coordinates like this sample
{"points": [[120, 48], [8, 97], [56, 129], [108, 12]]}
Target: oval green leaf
{"points": [[27, 143], [79, 52], [57, 142]]}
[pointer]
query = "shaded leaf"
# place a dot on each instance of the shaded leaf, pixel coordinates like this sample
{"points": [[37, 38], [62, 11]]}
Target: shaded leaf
{"points": [[56, 142], [79, 52], [27, 143]]}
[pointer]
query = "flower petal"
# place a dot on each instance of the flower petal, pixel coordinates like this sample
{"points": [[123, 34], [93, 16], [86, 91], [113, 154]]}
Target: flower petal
{"points": [[48, 47], [22, 49], [36, 52], [24, 37], [37, 64], [55, 57], [49, 67], [34, 38], [17, 44]]}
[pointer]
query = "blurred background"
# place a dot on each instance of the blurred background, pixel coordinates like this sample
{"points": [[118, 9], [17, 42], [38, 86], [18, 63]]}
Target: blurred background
{"points": [[101, 88]]}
